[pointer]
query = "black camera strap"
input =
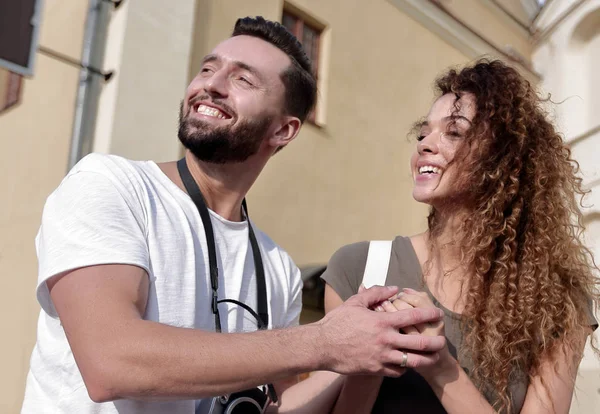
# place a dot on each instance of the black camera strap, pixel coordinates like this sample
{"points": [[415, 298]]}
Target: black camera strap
{"points": [[261, 289], [262, 317]]}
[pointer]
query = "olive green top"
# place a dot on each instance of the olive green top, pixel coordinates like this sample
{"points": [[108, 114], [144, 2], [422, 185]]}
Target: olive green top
{"points": [[410, 393]]}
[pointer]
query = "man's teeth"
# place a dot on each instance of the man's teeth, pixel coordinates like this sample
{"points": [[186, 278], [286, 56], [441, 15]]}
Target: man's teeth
{"points": [[429, 169], [207, 110]]}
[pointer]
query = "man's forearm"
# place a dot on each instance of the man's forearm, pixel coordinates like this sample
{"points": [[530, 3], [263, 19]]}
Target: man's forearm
{"points": [[149, 360]]}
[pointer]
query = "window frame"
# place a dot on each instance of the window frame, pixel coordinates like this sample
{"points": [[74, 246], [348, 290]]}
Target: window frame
{"points": [[12, 93], [300, 21]]}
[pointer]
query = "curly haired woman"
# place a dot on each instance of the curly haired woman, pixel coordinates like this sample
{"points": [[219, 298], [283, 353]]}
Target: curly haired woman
{"points": [[502, 257]]}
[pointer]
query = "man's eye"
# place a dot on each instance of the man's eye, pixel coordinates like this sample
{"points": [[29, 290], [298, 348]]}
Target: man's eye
{"points": [[245, 80]]}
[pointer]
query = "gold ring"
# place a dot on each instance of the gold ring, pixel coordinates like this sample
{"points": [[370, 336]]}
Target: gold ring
{"points": [[404, 360]]}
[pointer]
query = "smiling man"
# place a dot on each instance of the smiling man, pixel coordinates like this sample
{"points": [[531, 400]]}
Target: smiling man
{"points": [[156, 289]]}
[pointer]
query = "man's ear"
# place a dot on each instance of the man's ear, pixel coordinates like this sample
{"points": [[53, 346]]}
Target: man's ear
{"points": [[286, 133]]}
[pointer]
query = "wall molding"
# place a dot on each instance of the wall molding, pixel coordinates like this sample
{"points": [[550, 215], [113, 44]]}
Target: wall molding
{"points": [[432, 15], [440, 23]]}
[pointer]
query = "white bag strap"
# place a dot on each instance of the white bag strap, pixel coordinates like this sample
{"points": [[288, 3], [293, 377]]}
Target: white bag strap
{"points": [[378, 262]]}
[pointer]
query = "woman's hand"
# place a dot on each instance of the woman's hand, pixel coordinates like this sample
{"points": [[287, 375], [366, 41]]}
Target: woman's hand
{"points": [[410, 298]]}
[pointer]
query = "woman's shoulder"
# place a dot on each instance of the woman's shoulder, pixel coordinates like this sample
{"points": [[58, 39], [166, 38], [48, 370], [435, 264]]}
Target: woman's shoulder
{"points": [[353, 257], [345, 269], [350, 258]]}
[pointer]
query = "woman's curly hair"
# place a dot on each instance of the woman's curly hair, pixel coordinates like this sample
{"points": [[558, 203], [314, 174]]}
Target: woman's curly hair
{"points": [[532, 279]]}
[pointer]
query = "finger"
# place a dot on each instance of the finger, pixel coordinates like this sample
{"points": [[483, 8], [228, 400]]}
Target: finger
{"points": [[373, 296], [414, 360], [388, 307], [400, 305], [361, 288], [418, 343], [410, 330], [415, 316], [391, 307], [407, 301], [391, 370], [416, 300], [393, 297]]}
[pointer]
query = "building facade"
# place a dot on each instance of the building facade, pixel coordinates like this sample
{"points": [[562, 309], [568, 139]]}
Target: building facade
{"points": [[344, 179], [567, 55]]}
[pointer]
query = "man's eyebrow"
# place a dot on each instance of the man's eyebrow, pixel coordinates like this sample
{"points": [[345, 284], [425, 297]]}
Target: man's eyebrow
{"points": [[248, 68], [239, 64], [210, 58]]}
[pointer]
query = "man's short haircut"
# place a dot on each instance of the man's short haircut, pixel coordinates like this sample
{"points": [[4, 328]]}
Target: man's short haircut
{"points": [[299, 80]]}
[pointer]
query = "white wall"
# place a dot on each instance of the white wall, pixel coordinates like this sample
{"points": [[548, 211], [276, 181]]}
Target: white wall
{"points": [[149, 46], [568, 57]]}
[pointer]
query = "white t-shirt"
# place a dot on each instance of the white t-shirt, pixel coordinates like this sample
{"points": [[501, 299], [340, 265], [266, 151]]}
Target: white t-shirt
{"points": [[112, 210]]}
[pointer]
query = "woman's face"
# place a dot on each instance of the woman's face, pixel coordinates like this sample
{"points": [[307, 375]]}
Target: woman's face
{"points": [[435, 175]]}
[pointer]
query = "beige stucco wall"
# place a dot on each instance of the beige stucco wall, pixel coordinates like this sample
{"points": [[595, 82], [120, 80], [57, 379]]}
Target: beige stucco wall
{"points": [[35, 138]]}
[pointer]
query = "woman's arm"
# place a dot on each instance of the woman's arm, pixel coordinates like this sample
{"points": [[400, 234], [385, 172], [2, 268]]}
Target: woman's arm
{"points": [[322, 390], [316, 394], [358, 393], [458, 394], [558, 374]]}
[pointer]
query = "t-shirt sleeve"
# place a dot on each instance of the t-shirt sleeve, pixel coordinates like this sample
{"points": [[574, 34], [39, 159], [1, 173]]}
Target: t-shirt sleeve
{"points": [[295, 307], [345, 270], [88, 220]]}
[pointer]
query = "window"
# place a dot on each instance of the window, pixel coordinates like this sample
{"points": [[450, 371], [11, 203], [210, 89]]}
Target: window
{"points": [[20, 22], [309, 34], [10, 89]]}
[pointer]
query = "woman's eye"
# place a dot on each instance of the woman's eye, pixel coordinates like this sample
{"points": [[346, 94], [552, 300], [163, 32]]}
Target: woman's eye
{"points": [[420, 137], [454, 134]]}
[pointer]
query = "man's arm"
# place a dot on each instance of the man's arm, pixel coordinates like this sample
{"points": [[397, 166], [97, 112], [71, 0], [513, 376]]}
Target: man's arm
{"points": [[120, 355]]}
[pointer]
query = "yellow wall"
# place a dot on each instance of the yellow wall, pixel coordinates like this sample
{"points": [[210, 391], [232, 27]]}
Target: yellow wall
{"points": [[35, 138]]}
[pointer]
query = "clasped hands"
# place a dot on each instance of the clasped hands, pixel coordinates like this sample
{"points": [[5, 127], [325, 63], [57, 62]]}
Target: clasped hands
{"points": [[408, 299]]}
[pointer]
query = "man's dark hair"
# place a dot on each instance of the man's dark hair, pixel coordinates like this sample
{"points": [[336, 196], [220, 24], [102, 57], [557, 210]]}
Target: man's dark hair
{"points": [[300, 83]]}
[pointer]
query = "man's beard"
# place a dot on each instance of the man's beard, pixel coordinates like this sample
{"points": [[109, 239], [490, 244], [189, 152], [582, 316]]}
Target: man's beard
{"points": [[224, 144]]}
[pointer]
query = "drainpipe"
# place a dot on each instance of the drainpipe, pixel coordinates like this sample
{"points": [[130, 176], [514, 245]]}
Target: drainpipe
{"points": [[90, 81]]}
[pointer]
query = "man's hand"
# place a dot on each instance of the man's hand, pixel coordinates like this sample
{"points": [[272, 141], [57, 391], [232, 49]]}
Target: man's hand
{"points": [[358, 340]]}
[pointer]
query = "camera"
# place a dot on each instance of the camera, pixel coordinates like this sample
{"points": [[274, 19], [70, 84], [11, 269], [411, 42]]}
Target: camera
{"points": [[252, 401]]}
